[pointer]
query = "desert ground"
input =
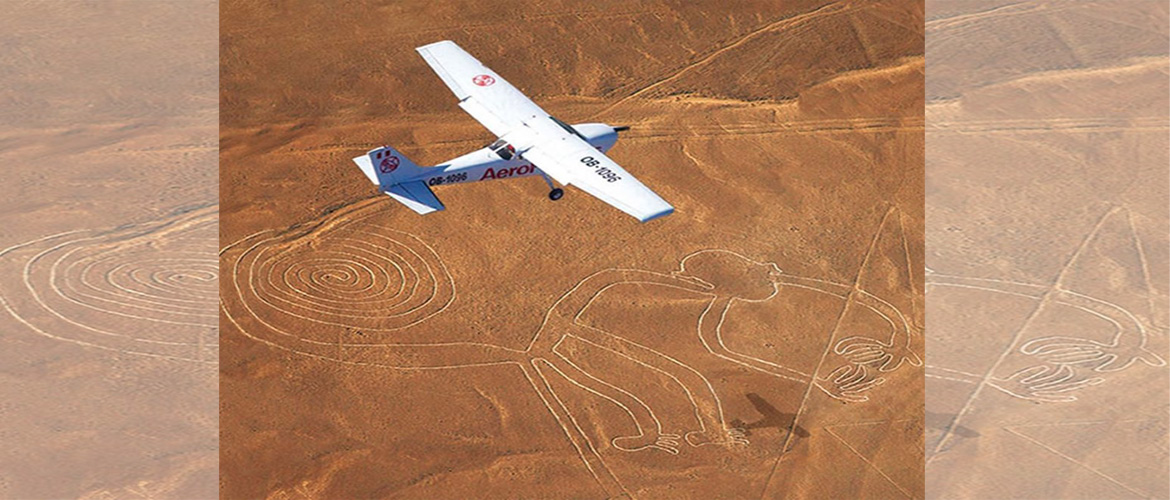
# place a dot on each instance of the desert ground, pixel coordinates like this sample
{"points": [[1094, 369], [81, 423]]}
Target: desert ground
{"points": [[108, 250], [1047, 241], [765, 340]]}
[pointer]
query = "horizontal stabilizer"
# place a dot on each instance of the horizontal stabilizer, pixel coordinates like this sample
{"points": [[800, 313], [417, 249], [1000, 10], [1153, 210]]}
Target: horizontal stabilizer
{"points": [[416, 196]]}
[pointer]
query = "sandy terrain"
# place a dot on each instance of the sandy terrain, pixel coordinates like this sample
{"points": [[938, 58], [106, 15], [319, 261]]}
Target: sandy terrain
{"points": [[512, 347], [108, 250], [1047, 241]]}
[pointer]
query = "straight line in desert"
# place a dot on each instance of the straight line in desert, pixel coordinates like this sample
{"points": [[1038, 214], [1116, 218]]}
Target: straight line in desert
{"points": [[1014, 9], [579, 14], [1130, 67], [867, 461], [828, 347], [1083, 465], [1018, 335], [806, 127], [1137, 243], [1090, 124], [830, 9]]}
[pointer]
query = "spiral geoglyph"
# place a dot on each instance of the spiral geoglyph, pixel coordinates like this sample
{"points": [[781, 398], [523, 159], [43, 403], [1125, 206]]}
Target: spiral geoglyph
{"points": [[147, 289], [348, 274]]}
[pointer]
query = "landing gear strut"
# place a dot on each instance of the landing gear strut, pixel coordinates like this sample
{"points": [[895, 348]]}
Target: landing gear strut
{"points": [[556, 192]]}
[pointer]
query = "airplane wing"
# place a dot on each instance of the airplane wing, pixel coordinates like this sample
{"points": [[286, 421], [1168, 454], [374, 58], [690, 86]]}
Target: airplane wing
{"points": [[555, 148], [765, 409], [482, 93], [571, 160]]}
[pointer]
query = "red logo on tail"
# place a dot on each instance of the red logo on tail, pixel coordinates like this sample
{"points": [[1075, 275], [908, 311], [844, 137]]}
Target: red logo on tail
{"points": [[389, 164], [483, 80]]}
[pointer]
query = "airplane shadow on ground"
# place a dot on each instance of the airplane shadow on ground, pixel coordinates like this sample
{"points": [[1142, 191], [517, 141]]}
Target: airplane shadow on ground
{"points": [[770, 418], [942, 421]]}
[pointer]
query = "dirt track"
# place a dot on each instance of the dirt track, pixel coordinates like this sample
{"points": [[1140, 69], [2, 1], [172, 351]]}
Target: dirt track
{"points": [[765, 340]]}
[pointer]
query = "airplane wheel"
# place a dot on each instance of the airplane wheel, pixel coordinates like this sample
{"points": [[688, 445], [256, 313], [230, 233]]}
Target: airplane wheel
{"points": [[556, 194]]}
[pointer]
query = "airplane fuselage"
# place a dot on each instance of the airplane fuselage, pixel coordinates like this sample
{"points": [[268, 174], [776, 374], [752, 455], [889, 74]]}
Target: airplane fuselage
{"points": [[529, 141], [484, 164]]}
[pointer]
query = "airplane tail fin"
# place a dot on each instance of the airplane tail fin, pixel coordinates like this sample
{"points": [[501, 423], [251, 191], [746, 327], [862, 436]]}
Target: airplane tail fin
{"points": [[385, 166], [399, 178]]}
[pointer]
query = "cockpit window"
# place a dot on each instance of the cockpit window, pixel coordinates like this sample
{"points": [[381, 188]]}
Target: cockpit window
{"points": [[568, 128], [502, 149]]}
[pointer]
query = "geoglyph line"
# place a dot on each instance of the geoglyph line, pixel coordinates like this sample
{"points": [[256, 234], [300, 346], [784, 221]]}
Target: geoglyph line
{"points": [[145, 289], [869, 463], [366, 286], [861, 353], [1080, 464], [1056, 362]]}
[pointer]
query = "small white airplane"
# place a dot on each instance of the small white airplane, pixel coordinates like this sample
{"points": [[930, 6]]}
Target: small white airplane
{"points": [[531, 142]]}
